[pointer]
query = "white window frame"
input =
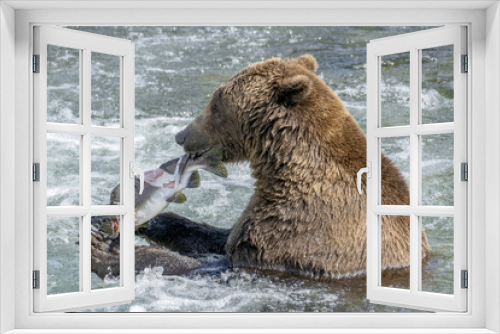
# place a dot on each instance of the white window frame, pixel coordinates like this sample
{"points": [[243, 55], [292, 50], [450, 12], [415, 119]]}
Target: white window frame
{"points": [[483, 21], [85, 43], [413, 44]]}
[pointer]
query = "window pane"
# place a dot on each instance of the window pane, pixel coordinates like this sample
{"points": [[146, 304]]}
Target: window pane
{"points": [[105, 90], [63, 85], [395, 251], [395, 89], [105, 260], [397, 150], [105, 168], [437, 169], [437, 274], [437, 85], [63, 255], [63, 169]]}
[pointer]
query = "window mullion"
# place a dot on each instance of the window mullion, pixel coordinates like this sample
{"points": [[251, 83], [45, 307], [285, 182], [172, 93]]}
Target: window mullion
{"points": [[415, 257], [86, 170], [127, 232], [373, 183]]}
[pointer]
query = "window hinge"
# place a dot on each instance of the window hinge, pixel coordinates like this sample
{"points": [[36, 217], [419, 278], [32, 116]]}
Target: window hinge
{"points": [[465, 279], [36, 279], [36, 172], [464, 171], [36, 63], [465, 64]]}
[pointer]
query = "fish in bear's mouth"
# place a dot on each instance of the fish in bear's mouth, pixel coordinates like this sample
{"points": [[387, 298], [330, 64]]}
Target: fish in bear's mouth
{"points": [[200, 153], [210, 158]]}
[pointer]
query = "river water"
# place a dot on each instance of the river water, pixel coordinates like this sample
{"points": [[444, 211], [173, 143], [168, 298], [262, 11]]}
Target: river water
{"points": [[177, 70]]}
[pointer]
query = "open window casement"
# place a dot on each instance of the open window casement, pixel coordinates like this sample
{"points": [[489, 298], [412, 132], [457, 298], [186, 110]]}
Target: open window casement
{"points": [[97, 129], [431, 60]]}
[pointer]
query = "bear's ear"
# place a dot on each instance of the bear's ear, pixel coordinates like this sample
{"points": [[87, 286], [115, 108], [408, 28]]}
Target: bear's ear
{"points": [[294, 89], [308, 62]]}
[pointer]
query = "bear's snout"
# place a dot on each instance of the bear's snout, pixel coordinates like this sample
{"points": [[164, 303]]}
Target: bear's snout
{"points": [[180, 137], [192, 139]]}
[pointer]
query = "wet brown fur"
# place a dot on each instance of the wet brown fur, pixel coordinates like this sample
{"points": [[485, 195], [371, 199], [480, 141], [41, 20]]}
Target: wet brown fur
{"points": [[304, 148]]}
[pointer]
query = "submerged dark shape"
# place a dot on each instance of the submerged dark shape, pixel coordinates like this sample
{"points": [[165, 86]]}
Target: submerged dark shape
{"points": [[106, 258], [188, 238], [184, 235]]}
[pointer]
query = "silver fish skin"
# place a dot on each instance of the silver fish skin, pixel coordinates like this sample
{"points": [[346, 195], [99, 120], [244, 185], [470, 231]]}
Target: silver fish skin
{"points": [[155, 199], [158, 194]]}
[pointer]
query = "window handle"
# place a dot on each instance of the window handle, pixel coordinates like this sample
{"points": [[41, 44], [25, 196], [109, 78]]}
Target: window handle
{"points": [[368, 171], [135, 170]]}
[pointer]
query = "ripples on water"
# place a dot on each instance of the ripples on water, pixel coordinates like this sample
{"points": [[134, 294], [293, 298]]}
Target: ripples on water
{"points": [[177, 69]]}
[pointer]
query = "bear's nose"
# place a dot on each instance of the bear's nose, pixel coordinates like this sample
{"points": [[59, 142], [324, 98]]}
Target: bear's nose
{"points": [[180, 138]]}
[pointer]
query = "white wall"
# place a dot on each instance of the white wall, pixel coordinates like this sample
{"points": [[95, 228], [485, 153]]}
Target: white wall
{"points": [[492, 162], [7, 181], [7, 171]]}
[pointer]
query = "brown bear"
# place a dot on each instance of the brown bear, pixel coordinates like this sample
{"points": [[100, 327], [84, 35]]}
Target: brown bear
{"points": [[306, 215], [305, 149]]}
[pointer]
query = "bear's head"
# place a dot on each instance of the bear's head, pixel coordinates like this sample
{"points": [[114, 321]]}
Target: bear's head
{"points": [[262, 108]]}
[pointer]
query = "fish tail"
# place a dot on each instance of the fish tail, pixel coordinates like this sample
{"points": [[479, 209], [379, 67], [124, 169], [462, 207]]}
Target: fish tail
{"points": [[216, 168], [194, 180], [178, 197]]}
